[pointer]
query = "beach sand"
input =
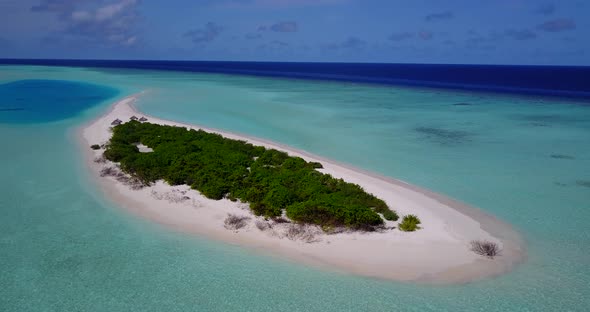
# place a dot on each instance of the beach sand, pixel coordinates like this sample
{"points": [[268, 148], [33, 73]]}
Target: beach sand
{"points": [[439, 253]]}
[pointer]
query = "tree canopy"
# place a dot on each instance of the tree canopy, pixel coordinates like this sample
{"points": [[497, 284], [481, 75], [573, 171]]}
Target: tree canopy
{"points": [[271, 181]]}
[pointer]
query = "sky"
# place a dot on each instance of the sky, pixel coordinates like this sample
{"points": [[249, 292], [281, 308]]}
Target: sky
{"points": [[526, 32]]}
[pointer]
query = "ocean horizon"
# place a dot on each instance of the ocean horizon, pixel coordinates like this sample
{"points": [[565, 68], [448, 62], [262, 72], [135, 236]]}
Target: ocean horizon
{"points": [[547, 80], [513, 141]]}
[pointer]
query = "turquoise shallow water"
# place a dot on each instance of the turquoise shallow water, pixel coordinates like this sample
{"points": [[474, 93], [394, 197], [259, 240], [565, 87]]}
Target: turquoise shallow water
{"points": [[523, 159]]}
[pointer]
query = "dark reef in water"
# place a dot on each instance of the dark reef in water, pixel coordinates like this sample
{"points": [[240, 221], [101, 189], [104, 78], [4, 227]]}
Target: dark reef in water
{"points": [[584, 183], [11, 109], [462, 104], [561, 156], [444, 136]]}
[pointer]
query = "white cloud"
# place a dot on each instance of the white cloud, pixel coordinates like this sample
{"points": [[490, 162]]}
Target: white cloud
{"points": [[102, 21], [112, 10]]}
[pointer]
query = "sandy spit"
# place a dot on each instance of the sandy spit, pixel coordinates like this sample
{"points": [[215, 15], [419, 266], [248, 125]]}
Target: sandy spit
{"points": [[439, 253]]}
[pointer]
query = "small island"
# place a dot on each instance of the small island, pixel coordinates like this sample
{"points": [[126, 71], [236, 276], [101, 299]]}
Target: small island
{"points": [[271, 181], [285, 202]]}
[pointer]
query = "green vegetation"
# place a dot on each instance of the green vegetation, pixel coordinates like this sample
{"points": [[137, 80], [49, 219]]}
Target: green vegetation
{"points": [[315, 165], [95, 146], [409, 223], [270, 180], [389, 215]]}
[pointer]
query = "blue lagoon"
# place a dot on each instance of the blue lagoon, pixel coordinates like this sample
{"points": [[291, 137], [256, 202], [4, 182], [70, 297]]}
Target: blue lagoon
{"points": [[522, 158]]}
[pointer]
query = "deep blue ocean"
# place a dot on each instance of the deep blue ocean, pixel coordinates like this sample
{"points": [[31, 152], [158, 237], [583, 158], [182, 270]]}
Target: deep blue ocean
{"points": [[513, 141], [570, 81]]}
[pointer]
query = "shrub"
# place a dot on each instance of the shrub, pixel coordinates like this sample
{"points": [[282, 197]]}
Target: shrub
{"points": [[315, 165], [234, 222], [409, 223], [108, 172], [301, 232], [260, 209], [100, 160], [263, 225], [485, 248], [280, 220], [95, 146], [390, 215], [330, 213], [329, 229]]}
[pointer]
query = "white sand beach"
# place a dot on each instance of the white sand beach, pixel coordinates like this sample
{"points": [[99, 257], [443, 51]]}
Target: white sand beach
{"points": [[439, 253]]}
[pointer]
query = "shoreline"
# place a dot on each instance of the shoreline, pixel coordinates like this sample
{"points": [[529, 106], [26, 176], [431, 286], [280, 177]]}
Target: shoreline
{"points": [[437, 254]]}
